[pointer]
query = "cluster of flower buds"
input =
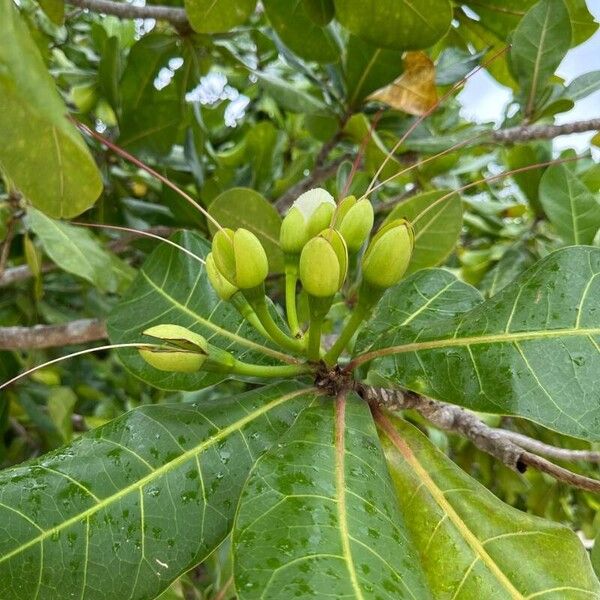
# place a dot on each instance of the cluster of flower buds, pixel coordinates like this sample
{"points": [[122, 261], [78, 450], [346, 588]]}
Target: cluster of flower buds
{"points": [[321, 242]]}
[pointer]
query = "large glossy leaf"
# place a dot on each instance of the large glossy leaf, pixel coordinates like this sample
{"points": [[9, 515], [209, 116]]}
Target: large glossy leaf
{"points": [[571, 207], [396, 24], [243, 207], [300, 33], [46, 158], [216, 16], [470, 543], [172, 287], [426, 296], [128, 507], [513, 262], [538, 45], [532, 350], [77, 251], [318, 515], [368, 68], [436, 226]]}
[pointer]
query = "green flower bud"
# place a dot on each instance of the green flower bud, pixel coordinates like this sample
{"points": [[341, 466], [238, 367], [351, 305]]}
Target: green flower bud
{"points": [[341, 251], [222, 251], [185, 351], [356, 223], [294, 232], [388, 254], [240, 258], [251, 262], [344, 206], [321, 218], [317, 206], [223, 288], [324, 264]]}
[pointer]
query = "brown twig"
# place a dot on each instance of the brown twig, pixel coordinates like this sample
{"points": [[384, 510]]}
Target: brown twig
{"points": [[492, 441], [49, 336], [551, 451], [524, 133], [124, 10]]}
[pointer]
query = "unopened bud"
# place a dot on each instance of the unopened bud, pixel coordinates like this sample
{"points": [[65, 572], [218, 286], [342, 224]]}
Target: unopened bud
{"points": [[324, 264], [355, 221], [251, 262], [294, 232], [185, 351], [317, 207], [223, 288], [240, 258], [388, 254]]}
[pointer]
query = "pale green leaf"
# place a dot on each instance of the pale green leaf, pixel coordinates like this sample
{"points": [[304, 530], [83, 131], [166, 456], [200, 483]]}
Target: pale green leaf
{"points": [[396, 24], [532, 350], [318, 515], [436, 226], [569, 205], [46, 158], [539, 44], [471, 544], [128, 507], [77, 251]]}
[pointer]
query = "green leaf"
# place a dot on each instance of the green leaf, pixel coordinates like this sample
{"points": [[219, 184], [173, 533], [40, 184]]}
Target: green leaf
{"points": [[218, 16], [128, 507], [583, 86], [427, 296], [289, 96], [502, 16], [396, 24], [46, 159], [300, 33], [539, 44], [54, 9], [320, 11], [172, 287], [150, 117], [570, 206], [318, 515], [61, 402], [532, 350], [243, 207], [77, 251], [470, 543], [436, 226], [454, 64], [368, 68]]}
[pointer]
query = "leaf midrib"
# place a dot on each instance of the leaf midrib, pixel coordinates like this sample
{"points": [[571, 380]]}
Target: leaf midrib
{"points": [[475, 340], [158, 472]]}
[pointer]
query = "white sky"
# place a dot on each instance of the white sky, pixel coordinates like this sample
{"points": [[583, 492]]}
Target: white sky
{"points": [[484, 99]]}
